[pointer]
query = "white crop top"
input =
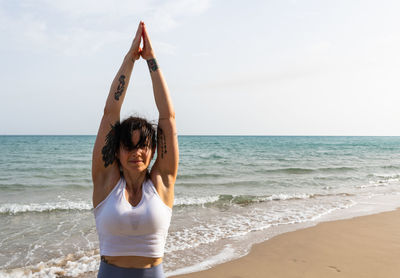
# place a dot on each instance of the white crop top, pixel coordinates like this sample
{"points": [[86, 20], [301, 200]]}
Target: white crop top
{"points": [[125, 230]]}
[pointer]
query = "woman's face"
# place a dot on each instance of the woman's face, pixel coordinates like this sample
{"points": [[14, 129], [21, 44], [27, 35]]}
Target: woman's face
{"points": [[136, 160]]}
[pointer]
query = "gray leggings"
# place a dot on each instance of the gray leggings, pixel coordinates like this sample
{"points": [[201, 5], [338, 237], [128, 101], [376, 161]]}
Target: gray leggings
{"points": [[111, 271]]}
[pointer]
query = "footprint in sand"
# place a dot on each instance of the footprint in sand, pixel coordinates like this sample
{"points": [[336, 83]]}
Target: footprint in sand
{"points": [[334, 267], [296, 260]]}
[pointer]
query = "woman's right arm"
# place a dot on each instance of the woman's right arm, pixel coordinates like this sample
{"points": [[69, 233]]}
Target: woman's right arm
{"points": [[105, 171]]}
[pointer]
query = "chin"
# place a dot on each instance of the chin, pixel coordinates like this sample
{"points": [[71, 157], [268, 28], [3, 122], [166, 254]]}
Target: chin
{"points": [[136, 169]]}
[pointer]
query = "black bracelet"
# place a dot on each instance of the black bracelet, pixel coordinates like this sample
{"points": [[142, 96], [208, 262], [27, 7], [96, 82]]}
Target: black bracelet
{"points": [[152, 63]]}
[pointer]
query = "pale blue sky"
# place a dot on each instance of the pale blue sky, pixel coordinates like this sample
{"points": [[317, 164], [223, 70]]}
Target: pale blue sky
{"points": [[282, 67]]}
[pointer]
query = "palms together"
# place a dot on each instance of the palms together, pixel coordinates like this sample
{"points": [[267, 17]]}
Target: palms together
{"points": [[147, 51]]}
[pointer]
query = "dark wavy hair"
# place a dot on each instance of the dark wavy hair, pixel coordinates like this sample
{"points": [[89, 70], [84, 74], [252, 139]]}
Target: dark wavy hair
{"points": [[146, 129], [121, 135]]}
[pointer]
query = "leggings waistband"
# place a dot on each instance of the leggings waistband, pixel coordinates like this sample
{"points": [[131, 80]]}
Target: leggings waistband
{"points": [[111, 271]]}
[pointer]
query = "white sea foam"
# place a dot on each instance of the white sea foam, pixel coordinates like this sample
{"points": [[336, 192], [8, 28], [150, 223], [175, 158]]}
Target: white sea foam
{"points": [[212, 199], [253, 219], [348, 205], [195, 200], [71, 265], [44, 207], [371, 184], [387, 176], [226, 254], [283, 196], [14, 208]]}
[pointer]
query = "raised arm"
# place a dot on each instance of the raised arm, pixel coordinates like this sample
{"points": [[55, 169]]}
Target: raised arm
{"points": [[167, 141], [105, 170]]}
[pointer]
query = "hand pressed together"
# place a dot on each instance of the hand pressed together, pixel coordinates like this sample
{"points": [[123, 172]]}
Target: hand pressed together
{"points": [[135, 50], [146, 51]]}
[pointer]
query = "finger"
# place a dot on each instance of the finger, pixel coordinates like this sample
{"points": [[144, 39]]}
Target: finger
{"points": [[135, 44], [144, 41], [146, 38], [139, 31]]}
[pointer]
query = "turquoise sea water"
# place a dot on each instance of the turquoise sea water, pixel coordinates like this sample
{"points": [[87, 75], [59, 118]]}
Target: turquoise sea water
{"points": [[231, 192]]}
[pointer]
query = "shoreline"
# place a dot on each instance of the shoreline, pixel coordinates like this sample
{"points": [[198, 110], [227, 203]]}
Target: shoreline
{"points": [[309, 246], [362, 246]]}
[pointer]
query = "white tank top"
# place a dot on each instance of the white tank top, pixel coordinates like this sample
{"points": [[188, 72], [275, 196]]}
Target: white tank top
{"points": [[125, 230]]}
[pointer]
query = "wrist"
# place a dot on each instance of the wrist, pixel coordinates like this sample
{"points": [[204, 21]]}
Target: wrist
{"points": [[130, 57], [152, 64]]}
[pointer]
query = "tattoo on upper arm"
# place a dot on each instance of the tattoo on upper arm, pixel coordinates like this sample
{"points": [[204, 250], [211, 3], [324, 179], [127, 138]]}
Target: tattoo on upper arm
{"points": [[121, 87], [162, 144], [152, 63], [110, 148]]}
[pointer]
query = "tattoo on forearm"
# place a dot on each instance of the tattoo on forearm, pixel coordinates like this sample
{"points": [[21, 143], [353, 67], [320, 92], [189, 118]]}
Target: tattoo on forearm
{"points": [[152, 63], [162, 144], [111, 145], [121, 87]]}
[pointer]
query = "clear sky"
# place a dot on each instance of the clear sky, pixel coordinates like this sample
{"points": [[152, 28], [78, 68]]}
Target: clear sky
{"points": [[281, 67]]}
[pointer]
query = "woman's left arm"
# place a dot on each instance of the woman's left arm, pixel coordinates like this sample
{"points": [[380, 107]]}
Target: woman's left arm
{"points": [[167, 138], [166, 164]]}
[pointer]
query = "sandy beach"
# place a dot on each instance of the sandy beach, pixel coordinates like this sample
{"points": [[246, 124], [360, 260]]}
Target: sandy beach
{"points": [[366, 246]]}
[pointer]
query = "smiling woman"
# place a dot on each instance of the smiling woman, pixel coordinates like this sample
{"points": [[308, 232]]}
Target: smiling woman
{"points": [[137, 144], [132, 205]]}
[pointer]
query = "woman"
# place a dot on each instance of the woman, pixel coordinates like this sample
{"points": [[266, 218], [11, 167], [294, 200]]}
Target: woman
{"points": [[133, 206]]}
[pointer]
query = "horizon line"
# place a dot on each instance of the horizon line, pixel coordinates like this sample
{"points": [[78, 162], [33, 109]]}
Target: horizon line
{"points": [[222, 135]]}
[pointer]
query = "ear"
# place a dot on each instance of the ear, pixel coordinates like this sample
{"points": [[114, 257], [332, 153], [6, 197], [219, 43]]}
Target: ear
{"points": [[153, 151]]}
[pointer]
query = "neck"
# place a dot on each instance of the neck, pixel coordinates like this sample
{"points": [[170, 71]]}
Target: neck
{"points": [[134, 181]]}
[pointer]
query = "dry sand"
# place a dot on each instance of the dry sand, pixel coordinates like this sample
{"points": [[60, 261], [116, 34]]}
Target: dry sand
{"points": [[366, 246]]}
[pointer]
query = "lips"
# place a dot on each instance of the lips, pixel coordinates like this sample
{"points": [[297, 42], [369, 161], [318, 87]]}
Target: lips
{"points": [[135, 161]]}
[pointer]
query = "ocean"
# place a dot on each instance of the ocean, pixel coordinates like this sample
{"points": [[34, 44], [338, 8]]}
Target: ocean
{"points": [[231, 192]]}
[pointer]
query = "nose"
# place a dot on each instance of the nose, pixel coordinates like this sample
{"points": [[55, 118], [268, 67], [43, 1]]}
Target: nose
{"points": [[135, 152]]}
